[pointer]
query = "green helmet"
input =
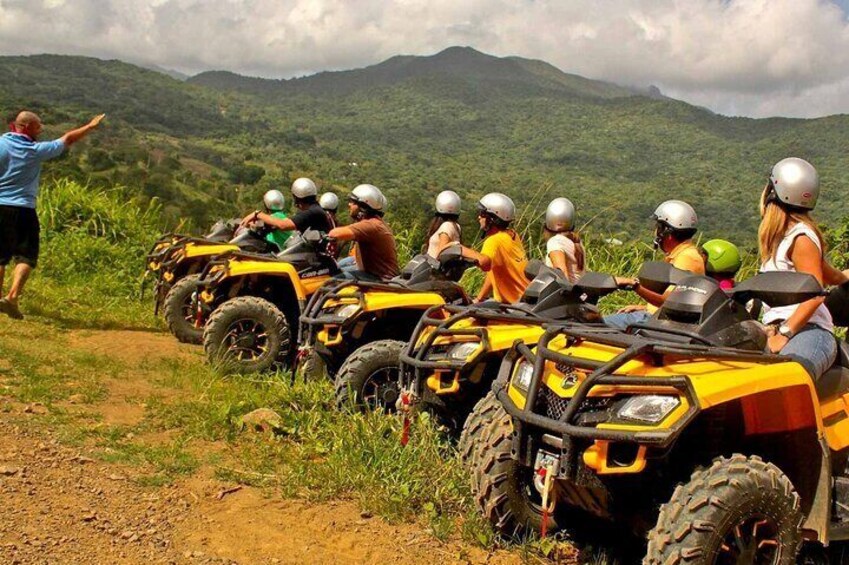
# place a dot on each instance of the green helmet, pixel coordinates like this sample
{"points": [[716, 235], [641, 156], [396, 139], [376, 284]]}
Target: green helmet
{"points": [[723, 257]]}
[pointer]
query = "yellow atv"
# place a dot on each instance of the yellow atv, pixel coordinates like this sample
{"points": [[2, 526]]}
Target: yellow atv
{"points": [[248, 304], [177, 262], [454, 354], [350, 321], [680, 429]]}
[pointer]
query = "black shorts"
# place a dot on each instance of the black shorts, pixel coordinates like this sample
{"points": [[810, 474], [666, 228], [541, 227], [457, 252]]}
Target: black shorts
{"points": [[19, 235]]}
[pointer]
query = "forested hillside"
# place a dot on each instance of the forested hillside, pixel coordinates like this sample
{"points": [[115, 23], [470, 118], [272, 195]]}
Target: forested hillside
{"points": [[416, 125]]}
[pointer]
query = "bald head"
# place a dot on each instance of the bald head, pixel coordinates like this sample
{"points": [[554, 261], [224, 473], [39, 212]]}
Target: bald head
{"points": [[28, 123]]}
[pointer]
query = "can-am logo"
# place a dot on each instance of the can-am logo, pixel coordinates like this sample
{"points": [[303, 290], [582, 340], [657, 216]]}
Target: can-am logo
{"points": [[695, 289]]}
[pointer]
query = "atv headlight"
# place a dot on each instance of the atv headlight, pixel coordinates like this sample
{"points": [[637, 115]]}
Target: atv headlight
{"points": [[650, 408], [522, 376], [462, 351], [347, 310]]}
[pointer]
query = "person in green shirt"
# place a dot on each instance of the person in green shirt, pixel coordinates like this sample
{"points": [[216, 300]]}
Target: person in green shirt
{"points": [[275, 203]]}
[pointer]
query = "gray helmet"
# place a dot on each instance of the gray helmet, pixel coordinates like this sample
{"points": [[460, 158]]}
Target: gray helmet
{"points": [[560, 215], [795, 182], [676, 214], [498, 205], [369, 196], [329, 201], [448, 202], [304, 188], [274, 200]]}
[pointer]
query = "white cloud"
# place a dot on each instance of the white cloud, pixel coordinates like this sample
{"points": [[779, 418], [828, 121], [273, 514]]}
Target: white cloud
{"points": [[753, 57]]}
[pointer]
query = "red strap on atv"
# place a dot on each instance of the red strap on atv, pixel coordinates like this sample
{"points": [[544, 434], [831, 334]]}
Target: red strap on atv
{"points": [[405, 431]]}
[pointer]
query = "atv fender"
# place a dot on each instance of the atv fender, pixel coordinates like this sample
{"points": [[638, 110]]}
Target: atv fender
{"points": [[382, 300], [203, 250], [303, 287]]}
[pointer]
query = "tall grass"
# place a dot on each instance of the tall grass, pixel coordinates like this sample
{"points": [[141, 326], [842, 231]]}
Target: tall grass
{"points": [[92, 256]]}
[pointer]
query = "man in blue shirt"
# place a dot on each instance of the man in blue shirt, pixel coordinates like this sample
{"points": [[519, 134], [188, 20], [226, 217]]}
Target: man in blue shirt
{"points": [[21, 157]]}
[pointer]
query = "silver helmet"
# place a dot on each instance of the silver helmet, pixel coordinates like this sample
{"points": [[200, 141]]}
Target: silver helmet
{"points": [[329, 201], [274, 200], [369, 196], [560, 215], [304, 188], [676, 214], [795, 182], [448, 202], [498, 205]]}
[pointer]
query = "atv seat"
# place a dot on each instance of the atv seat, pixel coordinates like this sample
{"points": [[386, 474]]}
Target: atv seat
{"points": [[835, 381]]}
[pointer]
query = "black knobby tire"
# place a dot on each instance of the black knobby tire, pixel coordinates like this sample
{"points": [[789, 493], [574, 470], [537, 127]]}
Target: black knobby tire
{"points": [[247, 334], [368, 379], [178, 310], [738, 505], [311, 367], [472, 435], [505, 492]]}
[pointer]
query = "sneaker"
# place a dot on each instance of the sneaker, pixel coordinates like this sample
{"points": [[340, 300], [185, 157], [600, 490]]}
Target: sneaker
{"points": [[10, 309]]}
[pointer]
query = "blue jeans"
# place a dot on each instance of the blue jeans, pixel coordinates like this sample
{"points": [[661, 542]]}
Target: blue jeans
{"points": [[814, 348], [623, 320], [347, 264]]}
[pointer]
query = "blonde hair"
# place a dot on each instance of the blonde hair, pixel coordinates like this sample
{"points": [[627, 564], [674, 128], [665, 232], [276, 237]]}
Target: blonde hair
{"points": [[775, 221]]}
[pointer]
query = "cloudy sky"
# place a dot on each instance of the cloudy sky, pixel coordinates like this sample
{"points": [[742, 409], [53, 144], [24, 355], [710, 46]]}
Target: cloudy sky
{"points": [[739, 57]]}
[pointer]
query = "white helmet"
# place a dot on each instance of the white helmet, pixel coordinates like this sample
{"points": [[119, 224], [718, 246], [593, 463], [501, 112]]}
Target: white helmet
{"points": [[329, 201], [676, 214], [304, 188], [498, 205], [560, 215], [795, 182], [369, 196], [274, 200], [448, 202]]}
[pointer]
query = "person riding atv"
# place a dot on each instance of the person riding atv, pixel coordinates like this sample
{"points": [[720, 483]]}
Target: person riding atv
{"points": [[348, 316], [675, 225], [502, 256], [251, 303], [722, 261], [375, 254], [742, 452], [277, 228], [178, 261]]}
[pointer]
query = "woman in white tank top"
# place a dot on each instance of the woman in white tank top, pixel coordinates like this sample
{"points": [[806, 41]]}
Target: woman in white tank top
{"points": [[790, 241], [444, 228], [563, 247]]}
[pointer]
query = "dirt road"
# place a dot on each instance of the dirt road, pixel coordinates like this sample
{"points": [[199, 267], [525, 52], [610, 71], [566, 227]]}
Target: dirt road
{"points": [[63, 499]]}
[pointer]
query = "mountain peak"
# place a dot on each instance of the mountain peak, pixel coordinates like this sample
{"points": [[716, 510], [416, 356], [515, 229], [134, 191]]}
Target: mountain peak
{"points": [[458, 68]]}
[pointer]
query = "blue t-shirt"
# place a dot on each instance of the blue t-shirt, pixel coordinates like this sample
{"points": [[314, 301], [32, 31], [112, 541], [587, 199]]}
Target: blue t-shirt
{"points": [[20, 167]]}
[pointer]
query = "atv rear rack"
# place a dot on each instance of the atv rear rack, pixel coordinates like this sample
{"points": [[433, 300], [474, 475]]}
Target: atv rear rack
{"points": [[603, 374]]}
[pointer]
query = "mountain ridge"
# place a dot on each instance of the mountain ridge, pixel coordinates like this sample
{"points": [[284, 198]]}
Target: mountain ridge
{"points": [[463, 63]]}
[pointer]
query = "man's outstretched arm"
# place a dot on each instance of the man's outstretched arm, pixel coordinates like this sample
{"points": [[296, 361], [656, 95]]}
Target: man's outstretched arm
{"points": [[75, 135]]}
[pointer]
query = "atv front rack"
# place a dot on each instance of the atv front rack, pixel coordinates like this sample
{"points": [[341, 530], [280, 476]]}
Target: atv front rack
{"points": [[414, 358], [567, 427], [313, 316]]}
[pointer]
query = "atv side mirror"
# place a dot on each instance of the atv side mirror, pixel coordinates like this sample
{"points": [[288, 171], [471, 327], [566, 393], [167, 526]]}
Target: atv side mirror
{"points": [[533, 268], [778, 288], [657, 276], [596, 285], [837, 303], [450, 253]]}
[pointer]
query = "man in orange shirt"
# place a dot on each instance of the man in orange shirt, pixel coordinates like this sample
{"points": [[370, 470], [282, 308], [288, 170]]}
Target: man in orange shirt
{"points": [[502, 256], [676, 223]]}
